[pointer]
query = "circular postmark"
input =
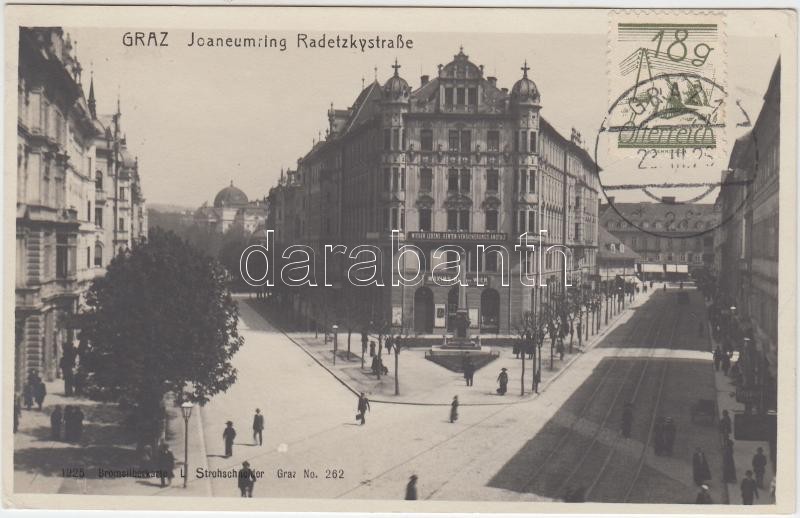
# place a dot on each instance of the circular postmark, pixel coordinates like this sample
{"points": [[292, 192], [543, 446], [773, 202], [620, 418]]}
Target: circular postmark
{"points": [[665, 138]]}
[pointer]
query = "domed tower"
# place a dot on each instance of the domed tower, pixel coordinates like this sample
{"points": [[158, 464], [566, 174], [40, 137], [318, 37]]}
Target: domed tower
{"points": [[394, 105], [525, 105]]}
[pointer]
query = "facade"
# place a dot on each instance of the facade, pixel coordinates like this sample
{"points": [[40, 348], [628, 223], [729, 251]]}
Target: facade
{"points": [[232, 209], [614, 258], [684, 241], [455, 161], [67, 157], [748, 238]]}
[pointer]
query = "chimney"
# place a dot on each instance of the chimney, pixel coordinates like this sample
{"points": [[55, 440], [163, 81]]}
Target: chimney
{"points": [[424, 80], [670, 200], [504, 90], [492, 81]]}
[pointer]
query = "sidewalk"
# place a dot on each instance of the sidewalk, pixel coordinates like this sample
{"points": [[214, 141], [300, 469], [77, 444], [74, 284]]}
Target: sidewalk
{"points": [[44, 465], [743, 451], [423, 382]]}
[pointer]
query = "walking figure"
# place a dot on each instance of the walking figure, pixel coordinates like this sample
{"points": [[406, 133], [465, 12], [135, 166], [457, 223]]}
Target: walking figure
{"points": [[700, 470], [389, 342], [246, 480], [503, 380], [27, 394], [759, 465], [717, 358], [56, 418], [627, 420], [728, 464], [726, 363], [39, 392], [749, 488], [258, 428], [454, 410], [228, 435], [725, 426], [372, 349], [363, 408], [411, 488], [469, 371], [166, 465]]}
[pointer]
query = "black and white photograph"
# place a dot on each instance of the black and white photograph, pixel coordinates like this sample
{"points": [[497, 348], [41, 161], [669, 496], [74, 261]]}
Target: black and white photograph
{"points": [[341, 258]]}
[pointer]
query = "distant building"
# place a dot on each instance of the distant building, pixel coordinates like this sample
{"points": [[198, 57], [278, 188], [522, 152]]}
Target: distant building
{"points": [[615, 258], [79, 198], [232, 208], [673, 239]]}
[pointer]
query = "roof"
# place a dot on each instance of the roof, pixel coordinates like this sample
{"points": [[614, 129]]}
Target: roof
{"points": [[230, 196], [606, 239], [674, 216]]}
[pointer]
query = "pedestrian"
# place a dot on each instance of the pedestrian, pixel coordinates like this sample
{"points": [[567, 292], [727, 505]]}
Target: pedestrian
{"points": [[700, 470], [749, 488], [166, 465], [372, 349], [258, 428], [228, 435], [411, 488], [669, 431], [469, 371], [726, 363], [56, 418], [503, 380], [39, 392], [454, 410], [725, 426], [515, 349], [703, 496], [717, 358], [27, 394], [246, 480], [627, 419], [759, 465], [389, 343], [363, 408], [580, 333], [66, 364], [375, 365], [658, 436], [17, 413], [728, 464]]}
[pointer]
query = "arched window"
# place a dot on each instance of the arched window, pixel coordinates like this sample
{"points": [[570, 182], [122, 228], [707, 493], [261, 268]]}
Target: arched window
{"points": [[98, 254], [98, 180]]}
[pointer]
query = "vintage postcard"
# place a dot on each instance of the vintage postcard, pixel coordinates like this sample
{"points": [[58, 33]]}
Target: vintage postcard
{"points": [[346, 258]]}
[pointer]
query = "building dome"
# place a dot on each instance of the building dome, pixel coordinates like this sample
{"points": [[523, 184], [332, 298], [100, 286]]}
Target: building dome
{"points": [[230, 197], [525, 90], [396, 87]]}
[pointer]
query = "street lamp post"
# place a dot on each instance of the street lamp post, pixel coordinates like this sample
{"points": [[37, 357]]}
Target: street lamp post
{"points": [[186, 410], [335, 341]]}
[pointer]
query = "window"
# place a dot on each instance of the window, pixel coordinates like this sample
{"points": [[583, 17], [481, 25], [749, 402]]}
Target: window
{"points": [[466, 141], [387, 139], [452, 220], [387, 179], [491, 220], [62, 256], [457, 220], [98, 180], [448, 97], [532, 222], [425, 219], [88, 211], [98, 216], [532, 147], [527, 181], [88, 257], [472, 96], [426, 180], [492, 180], [463, 220], [426, 140], [122, 193], [396, 138], [466, 180], [398, 181], [121, 224], [493, 141], [452, 180], [453, 140], [460, 97]]}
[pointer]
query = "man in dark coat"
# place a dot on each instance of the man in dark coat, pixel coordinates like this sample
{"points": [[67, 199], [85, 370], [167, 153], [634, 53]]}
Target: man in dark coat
{"points": [[363, 408], [27, 394], [67, 364], [725, 426], [166, 465], [56, 418], [627, 420], [228, 435], [469, 371], [759, 466], [411, 488], [246, 480], [700, 470], [503, 380], [749, 488], [39, 392], [258, 427], [717, 358]]}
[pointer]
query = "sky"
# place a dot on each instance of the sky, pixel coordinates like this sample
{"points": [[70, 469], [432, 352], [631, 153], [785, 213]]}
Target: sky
{"points": [[200, 118]]}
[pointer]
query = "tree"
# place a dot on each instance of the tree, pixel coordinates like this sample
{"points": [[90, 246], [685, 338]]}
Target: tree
{"points": [[401, 339], [161, 321], [524, 326]]}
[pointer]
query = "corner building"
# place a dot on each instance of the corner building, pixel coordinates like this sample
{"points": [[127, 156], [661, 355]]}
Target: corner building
{"points": [[456, 161]]}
